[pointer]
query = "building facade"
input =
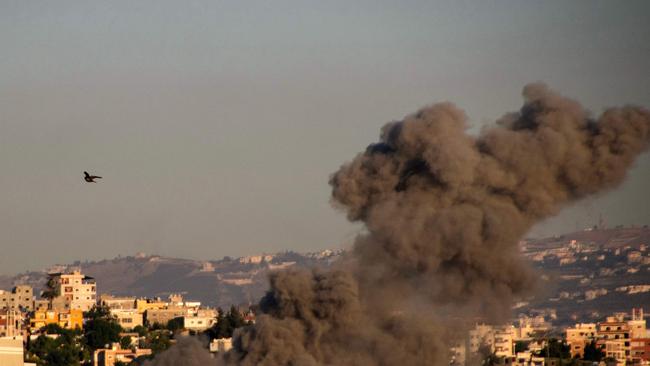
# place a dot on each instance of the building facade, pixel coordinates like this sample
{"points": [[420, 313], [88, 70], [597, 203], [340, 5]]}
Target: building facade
{"points": [[19, 298]]}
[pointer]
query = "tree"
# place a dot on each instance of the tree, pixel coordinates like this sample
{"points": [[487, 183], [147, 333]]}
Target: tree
{"points": [[226, 323], [175, 324], [141, 330], [125, 342], [61, 351], [593, 352], [51, 289], [101, 328], [556, 349], [521, 346]]}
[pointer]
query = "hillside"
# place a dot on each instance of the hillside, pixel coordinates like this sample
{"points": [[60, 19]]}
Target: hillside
{"points": [[585, 274]]}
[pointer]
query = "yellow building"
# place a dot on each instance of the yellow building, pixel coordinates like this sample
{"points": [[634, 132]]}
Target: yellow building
{"points": [[69, 319], [143, 305]]}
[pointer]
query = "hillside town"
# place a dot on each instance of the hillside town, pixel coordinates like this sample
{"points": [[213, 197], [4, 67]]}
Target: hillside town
{"points": [[600, 281], [70, 324]]}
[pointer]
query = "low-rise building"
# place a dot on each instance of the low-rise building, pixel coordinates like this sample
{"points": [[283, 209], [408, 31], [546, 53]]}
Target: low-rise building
{"points": [[198, 323], [220, 345], [110, 356], [69, 319], [163, 316], [143, 305], [128, 319], [117, 302]]}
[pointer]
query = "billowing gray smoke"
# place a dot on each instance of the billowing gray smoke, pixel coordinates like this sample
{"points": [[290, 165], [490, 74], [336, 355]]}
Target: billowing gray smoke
{"points": [[444, 212]]}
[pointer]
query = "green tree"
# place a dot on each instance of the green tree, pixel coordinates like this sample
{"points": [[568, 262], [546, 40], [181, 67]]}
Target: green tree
{"points": [[141, 330], [175, 324], [64, 350], [157, 341], [226, 323], [593, 352], [521, 346], [101, 328], [51, 289], [125, 342]]}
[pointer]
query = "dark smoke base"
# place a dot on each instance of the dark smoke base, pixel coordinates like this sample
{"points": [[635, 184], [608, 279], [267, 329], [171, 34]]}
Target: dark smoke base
{"points": [[444, 212]]}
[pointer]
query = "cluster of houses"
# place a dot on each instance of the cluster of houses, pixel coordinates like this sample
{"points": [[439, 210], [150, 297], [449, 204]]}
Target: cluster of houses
{"points": [[22, 316], [623, 339]]}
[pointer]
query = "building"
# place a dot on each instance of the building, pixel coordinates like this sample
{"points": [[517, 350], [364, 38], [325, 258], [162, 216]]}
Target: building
{"points": [[579, 336], [614, 336], [640, 350], [163, 316], [68, 319], [198, 323], [117, 303], [11, 323], [220, 345], [504, 345], [110, 356], [497, 339], [143, 305], [128, 319], [637, 324], [76, 291], [19, 298], [11, 352]]}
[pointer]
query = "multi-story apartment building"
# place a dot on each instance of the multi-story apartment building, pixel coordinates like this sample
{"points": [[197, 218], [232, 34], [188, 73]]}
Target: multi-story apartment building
{"points": [[19, 298], [76, 291], [579, 336], [614, 336], [499, 339]]}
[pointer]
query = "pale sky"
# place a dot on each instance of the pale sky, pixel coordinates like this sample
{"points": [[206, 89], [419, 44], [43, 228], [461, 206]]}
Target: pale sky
{"points": [[216, 124]]}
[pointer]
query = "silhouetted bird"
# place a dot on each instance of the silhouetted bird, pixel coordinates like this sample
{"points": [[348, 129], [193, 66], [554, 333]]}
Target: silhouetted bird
{"points": [[91, 178]]}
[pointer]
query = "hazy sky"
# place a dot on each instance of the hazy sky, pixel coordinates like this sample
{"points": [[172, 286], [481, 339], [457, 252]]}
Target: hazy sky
{"points": [[217, 123]]}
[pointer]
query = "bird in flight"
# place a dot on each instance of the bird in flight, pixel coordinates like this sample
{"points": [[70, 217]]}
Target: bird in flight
{"points": [[90, 178]]}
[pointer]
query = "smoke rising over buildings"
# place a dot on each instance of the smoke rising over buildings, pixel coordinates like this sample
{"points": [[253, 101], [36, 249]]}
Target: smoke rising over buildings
{"points": [[444, 211]]}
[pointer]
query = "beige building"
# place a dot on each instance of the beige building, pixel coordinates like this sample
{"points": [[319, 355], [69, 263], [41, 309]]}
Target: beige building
{"points": [[20, 297], [579, 336], [76, 291], [163, 316], [128, 318], [498, 339], [109, 356], [11, 352], [117, 302], [614, 335]]}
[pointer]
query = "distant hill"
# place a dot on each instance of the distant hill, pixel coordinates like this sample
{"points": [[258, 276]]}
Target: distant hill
{"points": [[213, 282], [586, 274]]}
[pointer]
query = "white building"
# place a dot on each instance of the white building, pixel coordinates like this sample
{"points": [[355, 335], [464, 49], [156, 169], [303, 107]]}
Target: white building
{"points": [[77, 291], [198, 323], [11, 352]]}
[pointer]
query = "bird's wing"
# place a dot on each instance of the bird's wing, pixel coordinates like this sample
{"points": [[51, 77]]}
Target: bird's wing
{"points": [[95, 177], [86, 174]]}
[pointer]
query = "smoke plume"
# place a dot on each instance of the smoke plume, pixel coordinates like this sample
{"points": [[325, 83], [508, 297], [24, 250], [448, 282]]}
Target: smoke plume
{"points": [[444, 211]]}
